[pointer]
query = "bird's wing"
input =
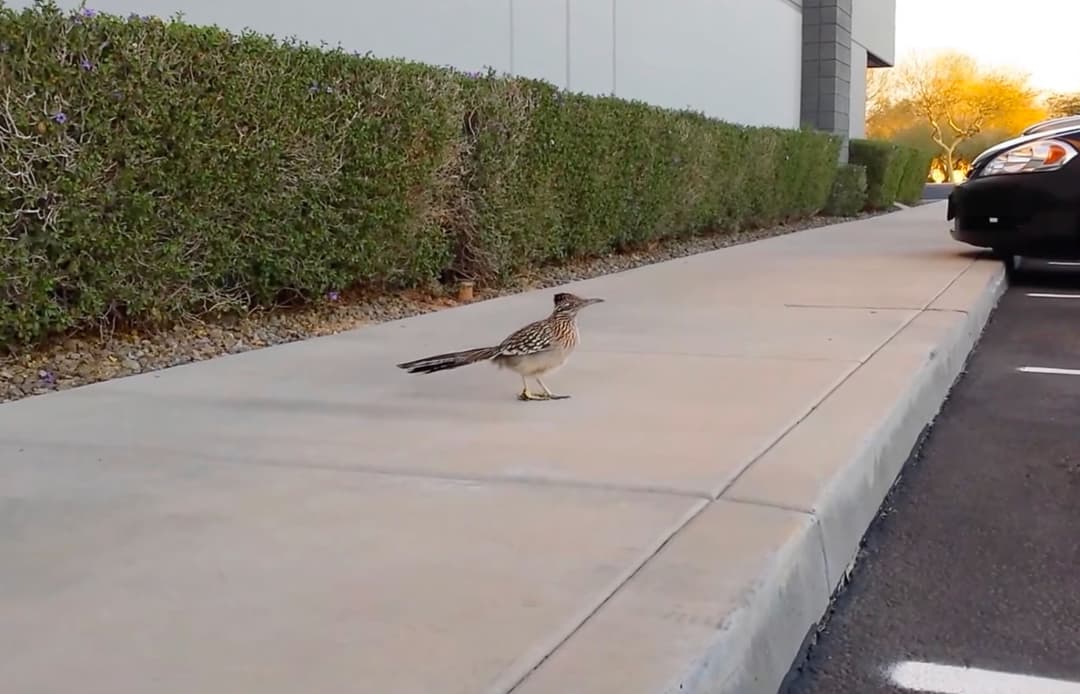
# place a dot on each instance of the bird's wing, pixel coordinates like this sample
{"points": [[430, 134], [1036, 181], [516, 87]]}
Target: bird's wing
{"points": [[531, 339]]}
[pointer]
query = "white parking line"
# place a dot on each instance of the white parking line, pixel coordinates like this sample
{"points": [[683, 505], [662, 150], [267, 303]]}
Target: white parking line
{"points": [[951, 679], [1043, 295], [1049, 370]]}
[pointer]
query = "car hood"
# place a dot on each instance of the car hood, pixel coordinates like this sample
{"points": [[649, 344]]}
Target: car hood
{"points": [[1000, 147]]}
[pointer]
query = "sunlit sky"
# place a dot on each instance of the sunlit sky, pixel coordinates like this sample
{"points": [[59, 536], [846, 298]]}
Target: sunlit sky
{"points": [[1036, 36]]}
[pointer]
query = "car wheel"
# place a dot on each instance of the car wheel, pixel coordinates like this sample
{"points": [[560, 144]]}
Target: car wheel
{"points": [[1013, 263]]}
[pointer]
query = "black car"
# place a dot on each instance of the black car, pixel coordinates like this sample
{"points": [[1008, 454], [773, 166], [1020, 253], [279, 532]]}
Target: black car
{"points": [[1052, 124], [1022, 196]]}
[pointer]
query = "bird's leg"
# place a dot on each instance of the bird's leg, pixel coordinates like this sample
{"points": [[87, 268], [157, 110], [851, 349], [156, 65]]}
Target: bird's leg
{"points": [[526, 394], [549, 395]]}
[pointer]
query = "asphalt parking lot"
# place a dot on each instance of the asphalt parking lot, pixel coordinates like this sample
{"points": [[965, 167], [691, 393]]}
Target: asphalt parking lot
{"points": [[969, 580], [936, 191]]}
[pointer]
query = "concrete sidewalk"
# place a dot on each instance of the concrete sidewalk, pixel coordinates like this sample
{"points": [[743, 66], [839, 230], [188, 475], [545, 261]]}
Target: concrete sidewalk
{"points": [[309, 518]]}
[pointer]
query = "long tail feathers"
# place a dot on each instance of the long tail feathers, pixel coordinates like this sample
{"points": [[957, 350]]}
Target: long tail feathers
{"points": [[450, 360]]}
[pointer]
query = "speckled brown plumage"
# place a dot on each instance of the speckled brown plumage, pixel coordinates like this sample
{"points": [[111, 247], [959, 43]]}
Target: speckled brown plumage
{"points": [[531, 351]]}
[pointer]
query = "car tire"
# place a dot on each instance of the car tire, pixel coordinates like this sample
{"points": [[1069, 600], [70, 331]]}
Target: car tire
{"points": [[1013, 263]]}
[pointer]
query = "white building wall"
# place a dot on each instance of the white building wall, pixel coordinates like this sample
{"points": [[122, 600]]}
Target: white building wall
{"points": [[857, 110], [739, 60], [468, 34], [873, 24], [873, 31], [733, 59]]}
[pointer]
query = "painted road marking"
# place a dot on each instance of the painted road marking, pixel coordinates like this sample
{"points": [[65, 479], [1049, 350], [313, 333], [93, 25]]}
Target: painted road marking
{"points": [[1049, 370], [951, 679], [1063, 263], [1042, 295]]}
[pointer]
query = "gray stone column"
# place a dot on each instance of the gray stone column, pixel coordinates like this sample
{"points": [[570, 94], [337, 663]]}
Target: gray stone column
{"points": [[826, 67]]}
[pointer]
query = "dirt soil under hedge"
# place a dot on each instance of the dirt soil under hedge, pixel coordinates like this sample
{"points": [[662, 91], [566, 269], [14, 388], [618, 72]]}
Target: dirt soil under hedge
{"points": [[83, 359]]}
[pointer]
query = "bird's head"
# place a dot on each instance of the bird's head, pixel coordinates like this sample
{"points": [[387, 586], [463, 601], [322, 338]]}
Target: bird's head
{"points": [[569, 304]]}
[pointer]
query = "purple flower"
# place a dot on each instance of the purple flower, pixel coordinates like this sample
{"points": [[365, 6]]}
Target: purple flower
{"points": [[47, 377], [333, 296], [86, 64], [87, 12], [60, 117]]}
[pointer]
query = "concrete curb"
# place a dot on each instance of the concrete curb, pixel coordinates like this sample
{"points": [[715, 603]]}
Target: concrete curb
{"points": [[775, 639], [762, 637], [857, 495]]}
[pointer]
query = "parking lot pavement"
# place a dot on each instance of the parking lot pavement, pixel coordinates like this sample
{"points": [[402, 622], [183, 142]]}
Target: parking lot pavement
{"points": [[936, 191], [969, 580]]}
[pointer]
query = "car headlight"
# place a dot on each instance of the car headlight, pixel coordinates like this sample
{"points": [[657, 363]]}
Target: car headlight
{"points": [[1041, 155]]}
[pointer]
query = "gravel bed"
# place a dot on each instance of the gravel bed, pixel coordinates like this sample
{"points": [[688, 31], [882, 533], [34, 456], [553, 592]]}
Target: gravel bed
{"points": [[79, 360]]}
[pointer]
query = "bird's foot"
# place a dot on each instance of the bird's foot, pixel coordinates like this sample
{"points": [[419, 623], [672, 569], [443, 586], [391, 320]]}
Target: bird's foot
{"points": [[548, 394], [526, 395]]}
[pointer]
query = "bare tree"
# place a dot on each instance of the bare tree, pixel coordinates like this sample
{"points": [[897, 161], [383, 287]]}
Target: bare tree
{"points": [[957, 99], [878, 90]]}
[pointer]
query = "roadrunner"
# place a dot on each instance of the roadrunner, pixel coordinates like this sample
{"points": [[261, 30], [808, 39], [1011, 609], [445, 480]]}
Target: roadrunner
{"points": [[535, 350]]}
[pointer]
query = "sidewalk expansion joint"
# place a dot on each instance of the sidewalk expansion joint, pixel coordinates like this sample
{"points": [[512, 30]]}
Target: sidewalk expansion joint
{"points": [[855, 307], [786, 432], [180, 457], [881, 308], [745, 501], [630, 575], [961, 311], [816, 530], [719, 355]]}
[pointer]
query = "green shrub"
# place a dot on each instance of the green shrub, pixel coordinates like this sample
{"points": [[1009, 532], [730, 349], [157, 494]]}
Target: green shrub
{"points": [[161, 169], [915, 175], [885, 163], [848, 196], [169, 168], [894, 172], [552, 176]]}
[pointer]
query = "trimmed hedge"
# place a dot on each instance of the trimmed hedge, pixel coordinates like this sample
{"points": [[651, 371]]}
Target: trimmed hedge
{"points": [[885, 163], [915, 175], [849, 195], [159, 169], [894, 172]]}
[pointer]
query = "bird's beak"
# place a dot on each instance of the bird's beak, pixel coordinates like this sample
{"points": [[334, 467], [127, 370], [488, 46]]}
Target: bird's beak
{"points": [[596, 300]]}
